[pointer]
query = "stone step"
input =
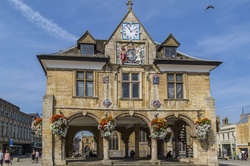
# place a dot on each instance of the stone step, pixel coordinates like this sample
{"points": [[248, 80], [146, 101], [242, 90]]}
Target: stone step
{"points": [[131, 163]]}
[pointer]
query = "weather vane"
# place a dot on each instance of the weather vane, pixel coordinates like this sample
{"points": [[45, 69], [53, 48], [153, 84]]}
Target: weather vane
{"points": [[129, 3]]}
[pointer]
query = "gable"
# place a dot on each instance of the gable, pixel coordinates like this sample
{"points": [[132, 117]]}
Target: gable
{"points": [[86, 38], [132, 35], [171, 42]]}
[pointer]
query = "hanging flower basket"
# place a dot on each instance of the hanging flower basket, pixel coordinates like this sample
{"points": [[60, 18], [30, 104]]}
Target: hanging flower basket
{"points": [[36, 126], [202, 127], [59, 125], [159, 128], [107, 126]]}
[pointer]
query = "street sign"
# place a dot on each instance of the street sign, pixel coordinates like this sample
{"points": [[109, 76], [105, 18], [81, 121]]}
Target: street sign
{"points": [[11, 142]]}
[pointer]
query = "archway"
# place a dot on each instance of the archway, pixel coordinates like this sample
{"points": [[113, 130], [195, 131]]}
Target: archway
{"points": [[77, 123], [182, 137], [134, 133]]}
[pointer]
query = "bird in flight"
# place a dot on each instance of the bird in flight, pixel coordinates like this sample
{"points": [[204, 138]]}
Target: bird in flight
{"points": [[210, 7]]}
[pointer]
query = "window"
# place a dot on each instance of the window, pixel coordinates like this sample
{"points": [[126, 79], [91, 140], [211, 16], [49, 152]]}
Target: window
{"points": [[130, 85], [175, 86], [113, 142], [84, 83], [143, 137], [87, 49], [170, 52]]}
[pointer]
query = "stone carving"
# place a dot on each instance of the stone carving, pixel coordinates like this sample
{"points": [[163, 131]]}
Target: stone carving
{"points": [[105, 79], [155, 79], [130, 53], [84, 112], [106, 103], [156, 103]]}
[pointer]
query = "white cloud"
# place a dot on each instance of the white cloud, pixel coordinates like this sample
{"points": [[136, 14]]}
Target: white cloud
{"points": [[42, 22]]}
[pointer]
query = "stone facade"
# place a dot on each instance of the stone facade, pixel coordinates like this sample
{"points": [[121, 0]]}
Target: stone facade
{"points": [[226, 139], [243, 134], [147, 96]]}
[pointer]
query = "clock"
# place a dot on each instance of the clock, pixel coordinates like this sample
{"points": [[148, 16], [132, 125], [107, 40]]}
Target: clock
{"points": [[130, 31]]}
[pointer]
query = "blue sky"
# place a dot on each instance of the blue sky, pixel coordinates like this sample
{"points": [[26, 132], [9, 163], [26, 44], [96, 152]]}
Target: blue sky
{"points": [[32, 27]]}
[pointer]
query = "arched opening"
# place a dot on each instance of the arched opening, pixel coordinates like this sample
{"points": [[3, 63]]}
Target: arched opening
{"points": [[82, 132], [182, 134], [84, 145], [134, 136]]}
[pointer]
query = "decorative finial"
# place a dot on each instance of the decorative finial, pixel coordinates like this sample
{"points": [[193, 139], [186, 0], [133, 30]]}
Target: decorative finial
{"points": [[129, 3]]}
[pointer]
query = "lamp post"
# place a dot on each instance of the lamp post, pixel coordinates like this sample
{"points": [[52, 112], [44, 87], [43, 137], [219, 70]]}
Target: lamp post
{"points": [[10, 140]]}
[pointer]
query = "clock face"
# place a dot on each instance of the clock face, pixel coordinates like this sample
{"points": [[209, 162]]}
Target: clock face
{"points": [[130, 31]]}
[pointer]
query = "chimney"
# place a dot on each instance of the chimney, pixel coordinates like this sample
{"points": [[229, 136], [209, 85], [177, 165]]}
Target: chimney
{"points": [[225, 121]]}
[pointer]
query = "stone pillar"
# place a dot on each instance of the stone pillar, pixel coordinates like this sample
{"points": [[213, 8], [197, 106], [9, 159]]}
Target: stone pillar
{"points": [[106, 160], [176, 139], [212, 158], [114, 87], [59, 149], [154, 158], [100, 146], [137, 134], [126, 148], [162, 149], [69, 143], [106, 149], [48, 153]]}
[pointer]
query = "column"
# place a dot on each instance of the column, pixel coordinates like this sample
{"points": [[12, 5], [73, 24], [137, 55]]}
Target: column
{"points": [[48, 103], [106, 160], [137, 134], [154, 158], [106, 149], [126, 148], [176, 139], [100, 146]]}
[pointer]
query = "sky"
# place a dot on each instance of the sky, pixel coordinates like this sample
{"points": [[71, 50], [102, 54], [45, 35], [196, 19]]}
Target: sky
{"points": [[32, 27]]}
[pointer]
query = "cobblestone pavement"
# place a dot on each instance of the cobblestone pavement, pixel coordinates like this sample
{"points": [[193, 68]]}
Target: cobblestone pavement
{"points": [[24, 161], [234, 162]]}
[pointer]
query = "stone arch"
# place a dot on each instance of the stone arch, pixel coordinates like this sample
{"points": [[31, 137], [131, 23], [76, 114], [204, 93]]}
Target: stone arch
{"points": [[73, 130], [140, 116], [136, 122], [185, 118], [84, 113]]}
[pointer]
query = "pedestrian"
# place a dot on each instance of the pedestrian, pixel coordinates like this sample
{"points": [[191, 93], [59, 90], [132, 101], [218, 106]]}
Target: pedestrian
{"points": [[132, 154], [169, 155], [7, 158], [234, 154], [33, 155], [87, 150], [1, 157], [245, 155], [37, 156]]}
